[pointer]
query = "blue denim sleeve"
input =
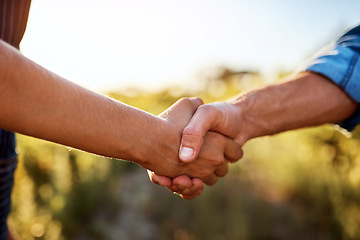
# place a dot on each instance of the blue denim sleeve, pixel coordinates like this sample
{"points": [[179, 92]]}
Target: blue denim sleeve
{"points": [[341, 64]]}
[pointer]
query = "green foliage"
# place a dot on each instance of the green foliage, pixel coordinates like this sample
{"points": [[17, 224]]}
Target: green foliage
{"points": [[297, 185]]}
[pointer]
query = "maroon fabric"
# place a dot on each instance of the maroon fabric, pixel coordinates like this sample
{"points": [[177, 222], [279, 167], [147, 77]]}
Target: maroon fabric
{"points": [[13, 19]]}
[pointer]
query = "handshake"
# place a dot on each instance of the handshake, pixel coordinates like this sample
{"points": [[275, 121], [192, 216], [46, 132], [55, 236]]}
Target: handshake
{"points": [[187, 145], [211, 137]]}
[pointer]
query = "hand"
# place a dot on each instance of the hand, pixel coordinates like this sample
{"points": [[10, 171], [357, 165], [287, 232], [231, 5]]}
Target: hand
{"points": [[184, 186], [215, 145], [221, 117]]}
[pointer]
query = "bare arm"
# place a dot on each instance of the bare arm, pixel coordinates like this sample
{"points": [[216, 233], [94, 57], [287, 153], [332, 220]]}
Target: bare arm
{"points": [[39, 103], [304, 100]]}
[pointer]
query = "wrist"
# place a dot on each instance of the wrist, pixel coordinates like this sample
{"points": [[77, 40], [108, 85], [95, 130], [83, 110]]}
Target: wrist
{"points": [[160, 149], [246, 129], [140, 137], [254, 120]]}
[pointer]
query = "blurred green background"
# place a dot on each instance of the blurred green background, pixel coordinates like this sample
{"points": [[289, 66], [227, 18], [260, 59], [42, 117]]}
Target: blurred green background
{"points": [[297, 185]]}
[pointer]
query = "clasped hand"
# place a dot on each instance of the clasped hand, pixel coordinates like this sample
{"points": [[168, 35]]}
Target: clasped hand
{"points": [[208, 143]]}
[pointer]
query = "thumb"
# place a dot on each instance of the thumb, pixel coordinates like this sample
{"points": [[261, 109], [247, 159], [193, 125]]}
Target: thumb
{"points": [[193, 134], [190, 147]]}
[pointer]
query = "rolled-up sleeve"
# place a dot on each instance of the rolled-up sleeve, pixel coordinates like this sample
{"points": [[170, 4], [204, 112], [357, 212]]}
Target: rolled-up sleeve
{"points": [[341, 64]]}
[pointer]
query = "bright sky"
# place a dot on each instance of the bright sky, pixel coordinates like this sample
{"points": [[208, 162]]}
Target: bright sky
{"points": [[111, 44]]}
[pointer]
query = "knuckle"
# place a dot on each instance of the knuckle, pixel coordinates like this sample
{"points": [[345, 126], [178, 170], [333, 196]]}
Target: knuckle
{"points": [[191, 131], [210, 109], [198, 100], [192, 141], [212, 181], [191, 102], [192, 134], [218, 160], [185, 100], [205, 175], [206, 109], [237, 155]]}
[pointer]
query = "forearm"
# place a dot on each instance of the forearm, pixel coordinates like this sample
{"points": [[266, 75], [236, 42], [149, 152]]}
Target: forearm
{"points": [[38, 103], [305, 100]]}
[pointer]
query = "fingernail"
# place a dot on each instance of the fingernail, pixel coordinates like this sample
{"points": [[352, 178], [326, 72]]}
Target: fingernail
{"points": [[186, 153]]}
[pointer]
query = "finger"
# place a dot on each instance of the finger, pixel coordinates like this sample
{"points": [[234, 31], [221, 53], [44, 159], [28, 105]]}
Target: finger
{"points": [[191, 196], [193, 134], [194, 191], [197, 183], [211, 180], [222, 170], [161, 180], [195, 187], [233, 151], [182, 182]]}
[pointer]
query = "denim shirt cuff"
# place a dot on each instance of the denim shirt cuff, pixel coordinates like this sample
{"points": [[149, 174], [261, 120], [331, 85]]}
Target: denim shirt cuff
{"points": [[341, 65]]}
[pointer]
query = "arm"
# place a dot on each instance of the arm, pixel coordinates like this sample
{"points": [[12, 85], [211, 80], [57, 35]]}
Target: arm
{"points": [[305, 100], [328, 92], [38, 103]]}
